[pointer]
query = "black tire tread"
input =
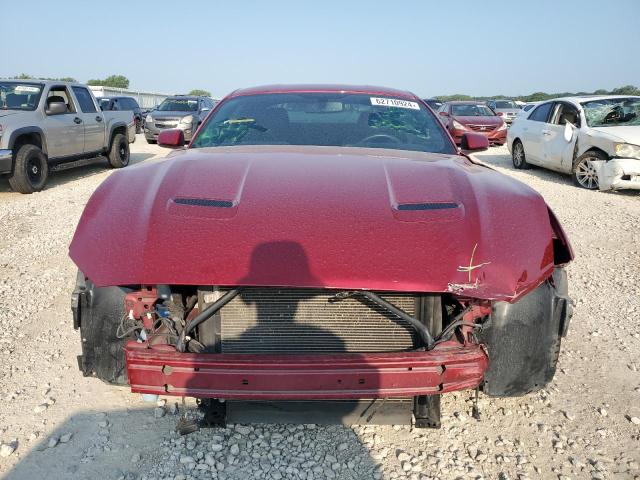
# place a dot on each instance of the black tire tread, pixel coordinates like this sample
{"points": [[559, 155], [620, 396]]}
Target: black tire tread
{"points": [[114, 156], [19, 179]]}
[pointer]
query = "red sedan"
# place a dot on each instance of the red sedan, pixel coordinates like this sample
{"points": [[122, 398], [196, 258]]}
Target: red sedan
{"points": [[324, 243], [464, 117]]}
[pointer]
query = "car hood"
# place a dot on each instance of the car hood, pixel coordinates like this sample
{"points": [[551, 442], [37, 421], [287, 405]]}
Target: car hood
{"points": [[623, 133], [488, 120], [348, 218], [169, 114]]}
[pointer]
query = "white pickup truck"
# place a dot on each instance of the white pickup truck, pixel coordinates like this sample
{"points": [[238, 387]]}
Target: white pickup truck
{"points": [[44, 123]]}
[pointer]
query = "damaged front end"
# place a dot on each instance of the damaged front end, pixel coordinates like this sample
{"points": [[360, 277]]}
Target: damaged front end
{"points": [[273, 344], [617, 173]]}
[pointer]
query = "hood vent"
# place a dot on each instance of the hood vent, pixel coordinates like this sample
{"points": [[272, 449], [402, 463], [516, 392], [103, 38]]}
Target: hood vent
{"points": [[203, 202], [426, 206]]}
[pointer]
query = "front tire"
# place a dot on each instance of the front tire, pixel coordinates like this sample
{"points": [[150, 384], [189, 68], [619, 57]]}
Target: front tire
{"points": [[119, 151], [30, 170], [584, 172], [518, 157], [151, 141]]}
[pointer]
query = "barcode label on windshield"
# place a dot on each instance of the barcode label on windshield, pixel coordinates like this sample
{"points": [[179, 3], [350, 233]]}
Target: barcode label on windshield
{"points": [[394, 102]]}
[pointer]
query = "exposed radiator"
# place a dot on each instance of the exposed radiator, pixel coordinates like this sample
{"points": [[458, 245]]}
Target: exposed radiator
{"points": [[272, 320]]}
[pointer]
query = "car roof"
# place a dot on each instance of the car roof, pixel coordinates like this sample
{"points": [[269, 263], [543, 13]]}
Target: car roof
{"points": [[38, 80], [587, 98], [188, 97], [467, 102], [322, 88]]}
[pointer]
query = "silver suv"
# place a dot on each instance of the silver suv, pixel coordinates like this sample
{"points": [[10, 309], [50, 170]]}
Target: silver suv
{"points": [[43, 123], [181, 111], [507, 108]]}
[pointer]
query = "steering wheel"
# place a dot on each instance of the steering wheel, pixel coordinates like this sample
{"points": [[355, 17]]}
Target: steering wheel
{"points": [[379, 138]]}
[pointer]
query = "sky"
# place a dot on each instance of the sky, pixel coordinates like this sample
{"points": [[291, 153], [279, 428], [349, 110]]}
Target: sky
{"points": [[427, 47]]}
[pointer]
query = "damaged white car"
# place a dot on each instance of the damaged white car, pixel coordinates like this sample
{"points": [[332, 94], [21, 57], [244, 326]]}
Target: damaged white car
{"points": [[595, 139]]}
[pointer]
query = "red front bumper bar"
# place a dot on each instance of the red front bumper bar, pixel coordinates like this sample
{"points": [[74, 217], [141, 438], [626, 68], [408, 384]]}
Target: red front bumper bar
{"points": [[161, 370]]}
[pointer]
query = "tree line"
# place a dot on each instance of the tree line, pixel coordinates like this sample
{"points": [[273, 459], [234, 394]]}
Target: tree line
{"points": [[120, 81], [540, 96], [113, 81]]}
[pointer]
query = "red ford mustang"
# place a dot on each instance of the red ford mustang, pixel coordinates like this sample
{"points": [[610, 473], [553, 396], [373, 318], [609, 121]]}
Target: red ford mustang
{"points": [[325, 243]]}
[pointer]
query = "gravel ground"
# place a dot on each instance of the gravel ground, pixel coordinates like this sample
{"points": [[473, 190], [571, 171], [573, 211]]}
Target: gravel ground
{"points": [[56, 424]]}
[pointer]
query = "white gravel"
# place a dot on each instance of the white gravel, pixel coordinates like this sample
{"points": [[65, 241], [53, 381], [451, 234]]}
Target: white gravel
{"points": [[56, 424]]}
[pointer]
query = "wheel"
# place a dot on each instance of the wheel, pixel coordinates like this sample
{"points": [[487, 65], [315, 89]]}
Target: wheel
{"points": [[518, 156], [119, 151], [138, 126], [30, 170], [151, 142], [584, 172]]}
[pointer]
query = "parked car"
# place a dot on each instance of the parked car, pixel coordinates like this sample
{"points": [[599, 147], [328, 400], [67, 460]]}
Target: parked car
{"points": [[43, 123], [320, 243], [526, 108], [433, 103], [127, 104], [508, 108], [181, 111], [460, 117], [596, 139]]}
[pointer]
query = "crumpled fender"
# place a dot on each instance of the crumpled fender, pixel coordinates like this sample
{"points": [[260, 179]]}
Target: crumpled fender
{"points": [[610, 173]]}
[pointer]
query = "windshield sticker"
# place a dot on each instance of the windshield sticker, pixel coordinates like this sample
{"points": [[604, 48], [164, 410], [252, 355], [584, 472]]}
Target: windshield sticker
{"points": [[27, 89], [394, 102]]}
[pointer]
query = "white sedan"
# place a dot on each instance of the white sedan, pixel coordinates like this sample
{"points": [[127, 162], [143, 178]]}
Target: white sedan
{"points": [[595, 139]]}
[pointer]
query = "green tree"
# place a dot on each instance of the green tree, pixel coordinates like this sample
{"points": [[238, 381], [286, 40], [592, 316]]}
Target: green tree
{"points": [[200, 92], [451, 98], [26, 76], [626, 90], [116, 81]]}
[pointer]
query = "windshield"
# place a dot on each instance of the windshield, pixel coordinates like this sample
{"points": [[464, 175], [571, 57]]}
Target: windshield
{"points": [[611, 112], [471, 110], [179, 105], [434, 104], [324, 119], [19, 96], [505, 104]]}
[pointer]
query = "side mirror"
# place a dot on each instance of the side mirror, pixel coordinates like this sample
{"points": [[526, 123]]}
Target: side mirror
{"points": [[172, 138], [499, 114], [443, 114], [568, 131], [56, 108], [474, 142]]}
